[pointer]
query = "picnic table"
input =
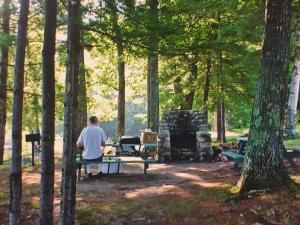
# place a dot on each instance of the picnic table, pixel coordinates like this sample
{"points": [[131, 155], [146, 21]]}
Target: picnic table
{"points": [[145, 160], [123, 147], [115, 160]]}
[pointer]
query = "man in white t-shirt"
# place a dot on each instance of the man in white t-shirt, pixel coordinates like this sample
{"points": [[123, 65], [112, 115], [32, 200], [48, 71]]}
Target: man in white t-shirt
{"points": [[91, 139]]}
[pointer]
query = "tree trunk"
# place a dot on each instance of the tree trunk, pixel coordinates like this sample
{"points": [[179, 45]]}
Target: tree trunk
{"points": [[223, 123], [220, 106], [263, 167], [48, 115], [189, 100], [221, 126], [207, 82], [3, 76], [149, 114], [121, 97], [219, 121], [36, 111], [16, 167], [294, 89], [176, 86], [82, 99], [68, 184], [152, 70], [121, 65]]}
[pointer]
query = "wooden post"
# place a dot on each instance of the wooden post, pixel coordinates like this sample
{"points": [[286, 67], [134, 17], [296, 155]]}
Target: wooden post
{"points": [[32, 153]]}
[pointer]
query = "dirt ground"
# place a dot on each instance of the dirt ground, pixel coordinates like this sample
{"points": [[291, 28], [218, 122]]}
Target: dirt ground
{"points": [[173, 194]]}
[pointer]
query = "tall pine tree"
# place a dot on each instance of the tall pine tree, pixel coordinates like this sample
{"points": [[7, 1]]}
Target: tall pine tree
{"points": [[48, 110], [68, 184], [16, 167], [152, 67], [3, 76]]}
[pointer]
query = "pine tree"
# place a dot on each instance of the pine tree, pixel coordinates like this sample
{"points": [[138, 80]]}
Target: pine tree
{"points": [[3, 76], [290, 123], [68, 184], [112, 5], [152, 68], [16, 167], [48, 112], [82, 94]]}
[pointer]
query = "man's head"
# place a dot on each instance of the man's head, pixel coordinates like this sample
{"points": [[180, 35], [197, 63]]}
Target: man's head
{"points": [[93, 120]]}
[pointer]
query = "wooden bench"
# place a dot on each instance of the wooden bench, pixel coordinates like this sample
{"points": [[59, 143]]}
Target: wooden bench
{"points": [[236, 157], [118, 160], [290, 153]]}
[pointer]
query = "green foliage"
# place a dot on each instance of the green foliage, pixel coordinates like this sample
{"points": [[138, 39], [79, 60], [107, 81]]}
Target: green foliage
{"points": [[187, 30]]}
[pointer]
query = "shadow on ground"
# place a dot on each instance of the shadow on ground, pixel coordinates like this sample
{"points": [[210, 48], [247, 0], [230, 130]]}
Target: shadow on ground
{"points": [[175, 193]]}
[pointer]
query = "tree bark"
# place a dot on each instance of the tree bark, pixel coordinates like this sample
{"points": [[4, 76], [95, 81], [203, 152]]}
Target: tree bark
{"points": [[176, 86], [3, 77], [121, 64], [219, 121], [68, 184], [207, 82], [36, 111], [152, 69], [48, 115], [220, 107], [223, 123], [221, 126], [121, 97], [189, 98], [263, 167], [149, 114], [16, 167], [290, 123], [82, 95]]}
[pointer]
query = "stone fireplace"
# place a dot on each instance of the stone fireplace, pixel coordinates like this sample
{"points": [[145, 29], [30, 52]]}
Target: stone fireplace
{"points": [[183, 135]]}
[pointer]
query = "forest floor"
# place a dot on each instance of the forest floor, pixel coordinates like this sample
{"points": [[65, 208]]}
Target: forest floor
{"points": [[175, 193]]}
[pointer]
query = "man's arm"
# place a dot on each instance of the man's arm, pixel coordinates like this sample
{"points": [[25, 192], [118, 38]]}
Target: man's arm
{"points": [[80, 142], [79, 145], [104, 138]]}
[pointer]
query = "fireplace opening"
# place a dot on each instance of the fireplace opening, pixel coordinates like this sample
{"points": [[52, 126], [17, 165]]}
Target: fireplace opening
{"points": [[183, 145]]}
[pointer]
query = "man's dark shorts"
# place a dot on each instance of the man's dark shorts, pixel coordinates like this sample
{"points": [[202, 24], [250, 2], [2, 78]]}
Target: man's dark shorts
{"points": [[97, 159]]}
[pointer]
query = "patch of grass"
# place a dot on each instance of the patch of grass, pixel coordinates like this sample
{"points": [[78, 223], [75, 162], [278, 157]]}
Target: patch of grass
{"points": [[150, 212], [89, 216], [35, 203], [178, 210], [223, 195], [124, 210], [168, 208], [292, 141], [286, 219], [104, 214], [5, 165], [7, 155], [264, 216], [4, 194], [286, 195]]}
